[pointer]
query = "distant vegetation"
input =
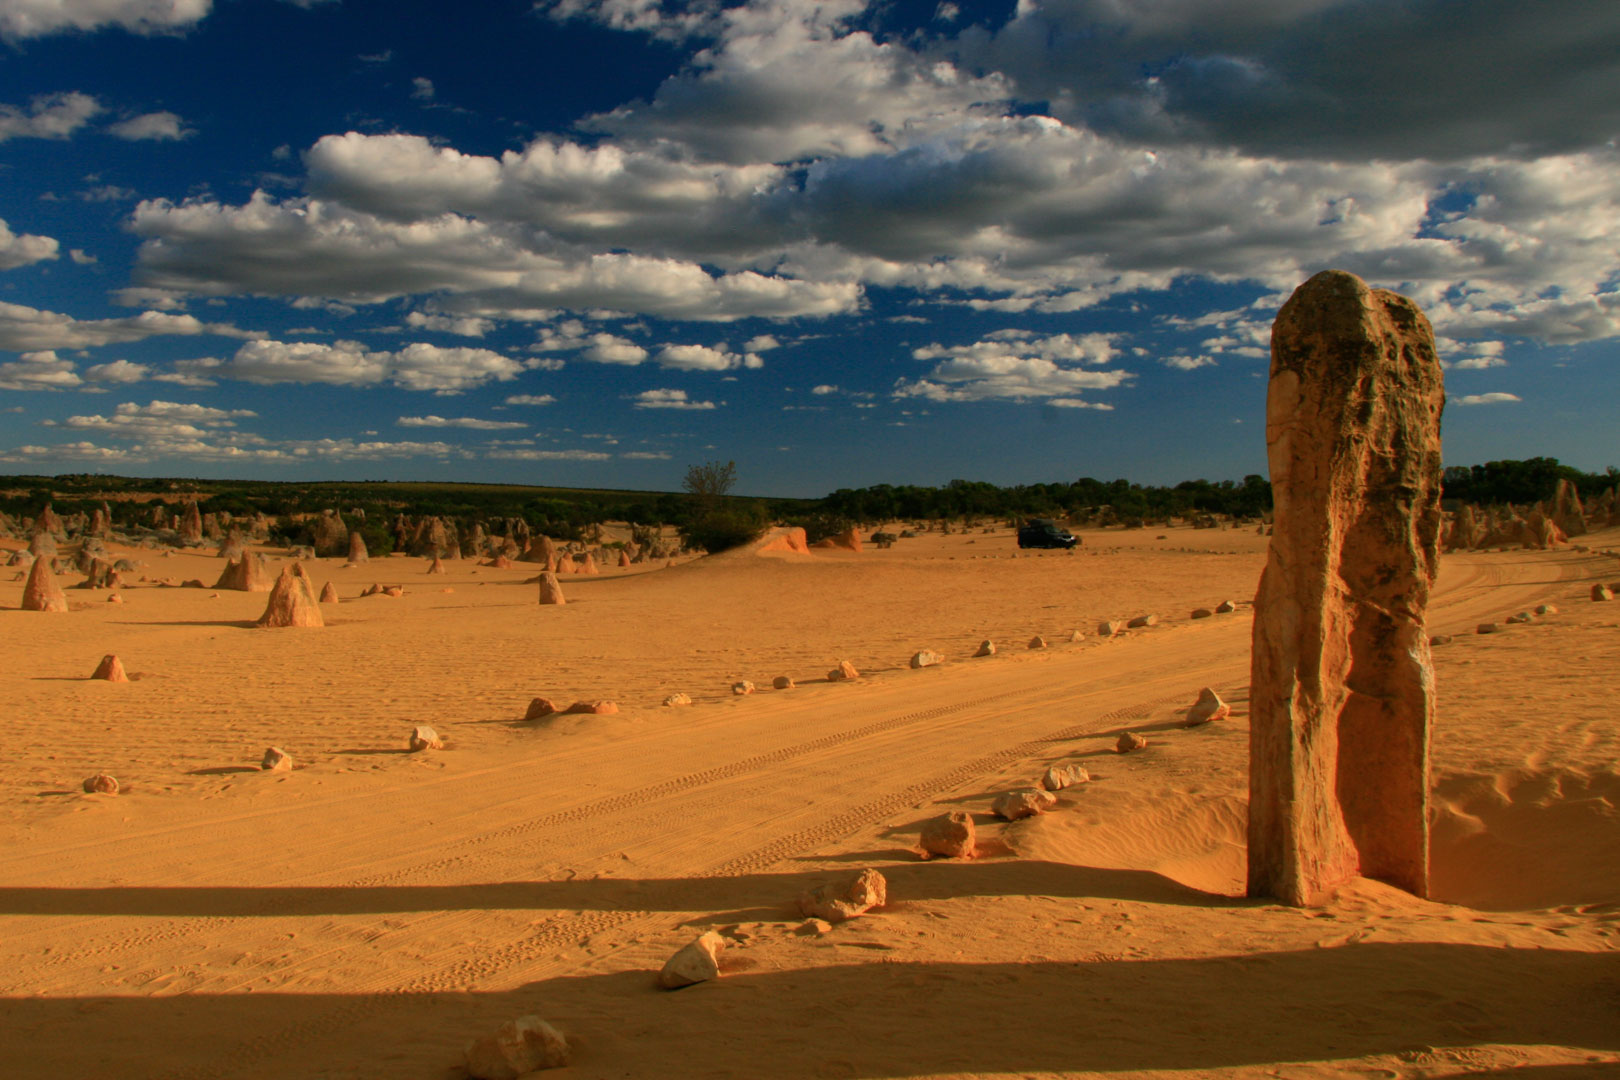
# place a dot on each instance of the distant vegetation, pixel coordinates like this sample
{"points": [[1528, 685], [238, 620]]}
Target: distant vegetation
{"points": [[710, 517]]}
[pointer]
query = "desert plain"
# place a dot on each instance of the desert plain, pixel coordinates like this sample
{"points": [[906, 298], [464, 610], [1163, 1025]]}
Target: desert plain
{"points": [[373, 909]]}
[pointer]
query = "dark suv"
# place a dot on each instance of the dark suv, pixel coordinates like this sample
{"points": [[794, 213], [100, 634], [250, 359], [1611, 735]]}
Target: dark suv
{"points": [[1041, 533]]}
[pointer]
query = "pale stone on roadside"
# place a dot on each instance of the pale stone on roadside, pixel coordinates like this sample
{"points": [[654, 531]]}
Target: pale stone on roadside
{"points": [[276, 760], [518, 1047], [111, 669], [1342, 685], [926, 658], [950, 836], [1027, 802], [1521, 617], [101, 784], [1486, 628], [425, 738], [678, 699], [1037, 642], [783, 682], [1129, 741], [1546, 609], [741, 687], [550, 591], [1143, 620], [845, 898], [1202, 613], [986, 648], [538, 708], [1225, 607], [1109, 628], [42, 593], [1209, 706], [844, 670], [695, 962]]}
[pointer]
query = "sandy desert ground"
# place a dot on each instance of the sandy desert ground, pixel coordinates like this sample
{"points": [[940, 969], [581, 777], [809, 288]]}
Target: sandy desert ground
{"points": [[368, 913]]}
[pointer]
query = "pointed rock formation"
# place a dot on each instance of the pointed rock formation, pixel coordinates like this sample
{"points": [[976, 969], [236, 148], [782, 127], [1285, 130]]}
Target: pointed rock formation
{"points": [[1209, 706], [191, 530], [276, 760], [1567, 512], [550, 591], [541, 550], [111, 669], [986, 648], [330, 534], [1339, 775], [329, 594], [694, 963], [624, 559], [566, 565], [42, 593], [588, 564], [291, 603], [437, 566], [357, 550], [246, 574]]}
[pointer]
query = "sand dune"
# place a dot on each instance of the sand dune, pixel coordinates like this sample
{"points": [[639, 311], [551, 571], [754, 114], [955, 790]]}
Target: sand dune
{"points": [[370, 911]]}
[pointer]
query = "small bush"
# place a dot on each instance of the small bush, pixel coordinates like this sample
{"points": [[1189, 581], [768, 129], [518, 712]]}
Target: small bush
{"points": [[725, 527]]}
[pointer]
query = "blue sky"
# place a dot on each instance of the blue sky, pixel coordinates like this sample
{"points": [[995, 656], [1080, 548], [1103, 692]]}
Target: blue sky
{"points": [[589, 242]]}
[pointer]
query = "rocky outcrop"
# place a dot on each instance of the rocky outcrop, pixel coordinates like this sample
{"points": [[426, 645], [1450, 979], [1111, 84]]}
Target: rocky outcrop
{"points": [[846, 898], [291, 603], [950, 836], [246, 574], [1342, 692], [42, 593], [926, 658], [111, 669], [357, 550], [550, 591], [517, 1048], [1567, 512], [329, 593], [844, 670], [331, 535]]}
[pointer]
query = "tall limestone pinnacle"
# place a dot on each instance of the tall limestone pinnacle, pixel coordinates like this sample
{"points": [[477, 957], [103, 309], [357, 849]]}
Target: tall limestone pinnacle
{"points": [[1342, 691]]}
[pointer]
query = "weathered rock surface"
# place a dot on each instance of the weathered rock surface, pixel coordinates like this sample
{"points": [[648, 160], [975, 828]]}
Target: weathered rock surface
{"points": [[276, 760], [783, 682], [595, 708], [1440, 639], [520, 1046], [844, 670], [550, 591], [357, 550], [329, 593], [1599, 592], [41, 592], [1142, 620], [741, 687], [1129, 741], [101, 784], [1339, 777], [1027, 802], [1058, 777], [925, 658], [1225, 607], [437, 566], [245, 573], [1109, 628], [1202, 613], [1546, 609], [1037, 642], [1487, 628], [1209, 706], [111, 669], [678, 699], [698, 961], [986, 648], [949, 836], [425, 738], [846, 897], [291, 603]]}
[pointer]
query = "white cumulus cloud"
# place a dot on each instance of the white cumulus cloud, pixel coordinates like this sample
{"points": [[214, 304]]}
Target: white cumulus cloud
{"points": [[669, 399]]}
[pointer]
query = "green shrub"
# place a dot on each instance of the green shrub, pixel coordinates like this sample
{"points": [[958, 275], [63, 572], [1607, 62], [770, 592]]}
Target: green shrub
{"points": [[725, 527]]}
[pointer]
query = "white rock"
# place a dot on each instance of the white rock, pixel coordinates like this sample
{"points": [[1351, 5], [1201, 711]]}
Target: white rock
{"points": [[696, 962]]}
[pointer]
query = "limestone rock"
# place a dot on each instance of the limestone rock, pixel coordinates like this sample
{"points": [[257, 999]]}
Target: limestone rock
{"points": [[986, 648], [742, 687], [42, 593], [357, 550], [678, 699], [425, 738], [1037, 642], [783, 682], [550, 591], [518, 1047], [695, 962], [1546, 609], [329, 594], [276, 760], [1058, 777], [539, 708], [1599, 592], [925, 658], [587, 565], [596, 708], [1129, 741], [1076, 635], [246, 573], [1209, 706], [566, 565], [101, 784], [624, 559], [1109, 627], [395, 591], [1143, 620], [1339, 777], [1202, 613], [844, 670], [1487, 628], [291, 603], [951, 836], [111, 669], [845, 898], [436, 566], [1225, 607], [1440, 639], [1013, 805], [1520, 617]]}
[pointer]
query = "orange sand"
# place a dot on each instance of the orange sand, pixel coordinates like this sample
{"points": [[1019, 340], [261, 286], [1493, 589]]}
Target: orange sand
{"points": [[369, 912]]}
